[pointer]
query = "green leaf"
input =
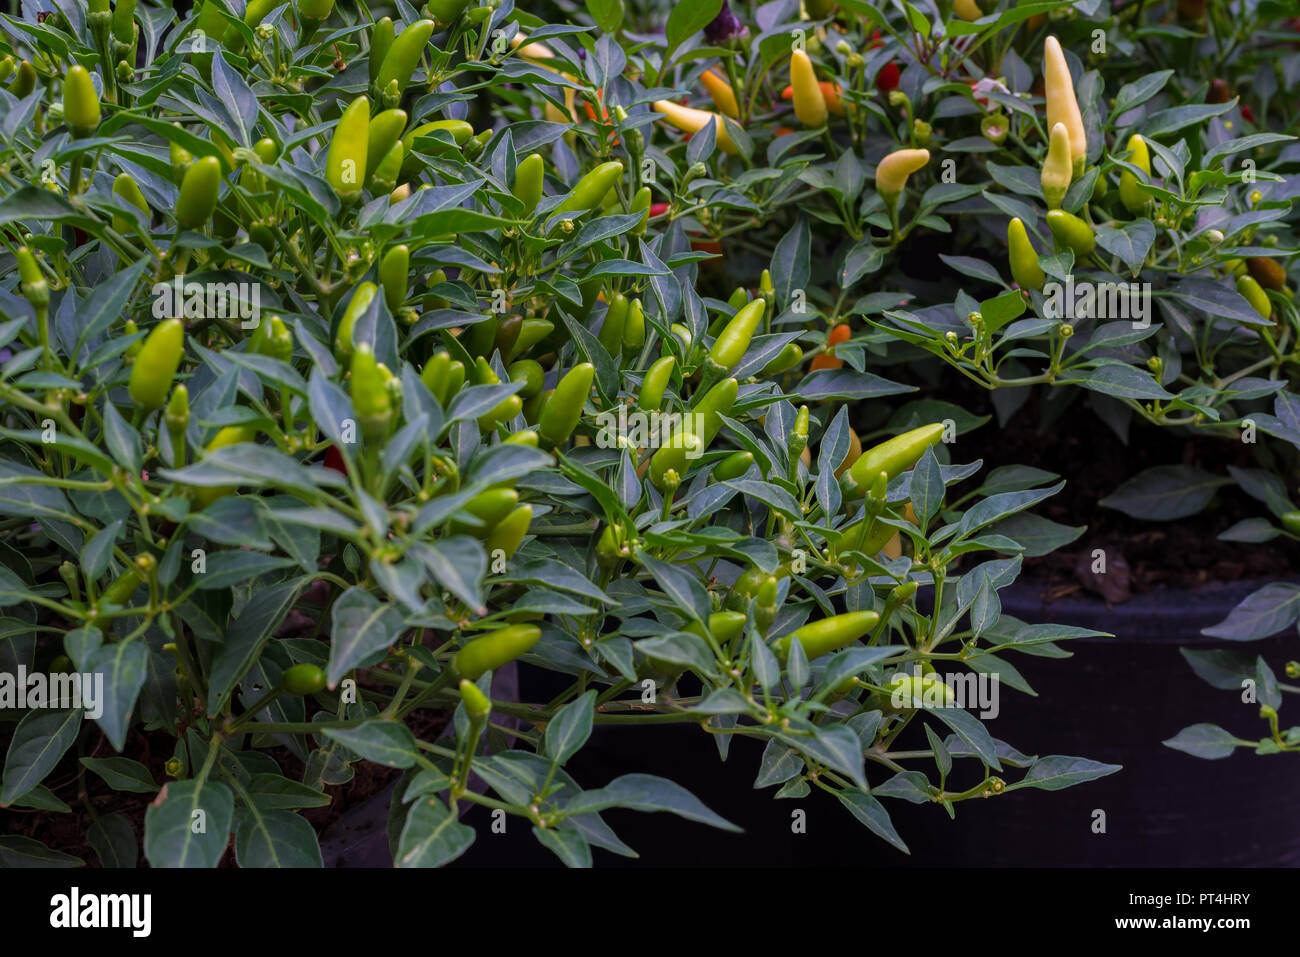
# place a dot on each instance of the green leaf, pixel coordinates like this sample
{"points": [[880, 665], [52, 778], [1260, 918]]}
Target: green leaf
{"points": [[647, 792], [432, 836], [191, 825], [1207, 741], [1058, 771], [1264, 612], [686, 20], [873, 814], [1165, 492], [247, 635], [274, 839], [114, 841], [122, 774], [363, 628], [569, 730], [385, 742], [39, 742]]}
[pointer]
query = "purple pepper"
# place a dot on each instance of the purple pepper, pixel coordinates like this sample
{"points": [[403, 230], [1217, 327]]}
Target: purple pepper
{"points": [[725, 26]]}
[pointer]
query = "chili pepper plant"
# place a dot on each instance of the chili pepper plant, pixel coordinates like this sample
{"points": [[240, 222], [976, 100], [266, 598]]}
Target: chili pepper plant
{"points": [[355, 353]]}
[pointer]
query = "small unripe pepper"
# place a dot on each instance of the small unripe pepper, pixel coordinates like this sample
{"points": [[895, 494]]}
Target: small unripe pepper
{"points": [[177, 420], [828, 634], [1062, 106], [381, 39], [156, 364], [370, 396], [36, 289], [384, 132], [1023, 257], [559, 417], [634, 327], [640, 204], [198, 196], [509, 532], [1130, 194], [125, 187], [302, 679], [393, 275], [733, 466], [1291, 522], [591, 188], [657, 377], [896, 455], [80, 102], [478, 706], [403, 55], [24, 80], [489, 508], [527, 187], [345, 162], [272, 338], [809, 104], [1255, 295], [785, 360], [494, 650], [690, 436], [1071, 231], [611, 327], [733, 341], [1056, 173], [356, 308], [894, 169]]}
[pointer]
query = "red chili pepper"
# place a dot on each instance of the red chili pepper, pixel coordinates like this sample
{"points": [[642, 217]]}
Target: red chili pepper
{"points": [[887, 78], [1247, 113], [658, 209], [334, 460]]}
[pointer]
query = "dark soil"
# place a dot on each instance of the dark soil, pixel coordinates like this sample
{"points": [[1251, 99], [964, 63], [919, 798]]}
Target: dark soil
{"points": [[1094, 462]]}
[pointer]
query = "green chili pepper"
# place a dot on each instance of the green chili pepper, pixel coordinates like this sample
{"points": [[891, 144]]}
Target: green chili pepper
{"points": [[445, 11], [302, 679], [1291, 522], [478, 706], [1255, 295], [80, 101], [198, 196], [724, 626], [657, 377], [489, 508], [590, 189], [527, 187], [479, 336], [1057, 167], [508, 534], [1023, 257], [177, 420], [1133, 197], [641, 204], [1071, 231], [371, 399], [733, 466], [914, 692], [559, 417], [750, 584], [393, 271], [508, 330], [828, 634], [611, 328], [492, 651], [205, 495], [401, 59], [24, 80], [895, 456], [126, 188], [692, 434], [531, 332], [459, 130], [121, 589], [345, 162], [506, 409], [785, 360], [735, 337], [124, 21], [384, 132], [381, 40], [156, 365], [272, 338], [357, 306], [634, 327], [529, 373], [315, 9]]}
